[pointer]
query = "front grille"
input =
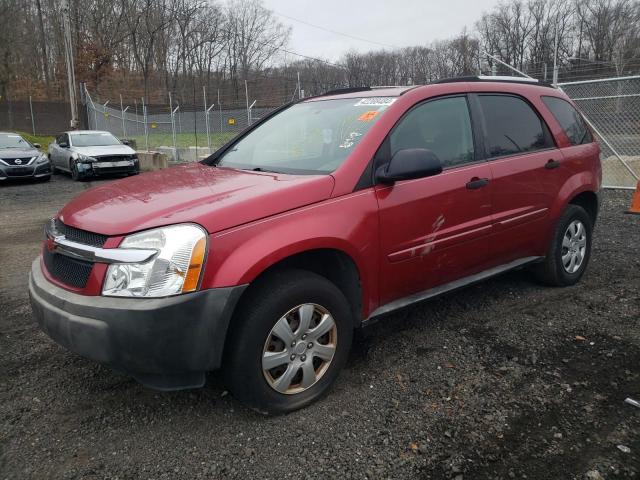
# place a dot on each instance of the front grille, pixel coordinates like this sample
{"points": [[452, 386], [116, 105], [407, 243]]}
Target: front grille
{"points": [[18, 171], [113, 158], [12, 161], [69, 271], [80, 236]]}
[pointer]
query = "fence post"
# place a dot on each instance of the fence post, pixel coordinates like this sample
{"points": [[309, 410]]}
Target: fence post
{"points": [[104, 113], [251, 112], [146, 129], [220, 111], [122, 112], [246, 96], [206, 116], [135, 102], [173, 131], [33, 122]]}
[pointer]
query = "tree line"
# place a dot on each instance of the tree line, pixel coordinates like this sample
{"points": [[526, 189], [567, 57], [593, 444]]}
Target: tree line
{"points": [[151, 47]]}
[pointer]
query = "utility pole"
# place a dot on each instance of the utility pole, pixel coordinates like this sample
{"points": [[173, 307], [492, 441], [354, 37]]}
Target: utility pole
{"points": [[68, 55]]}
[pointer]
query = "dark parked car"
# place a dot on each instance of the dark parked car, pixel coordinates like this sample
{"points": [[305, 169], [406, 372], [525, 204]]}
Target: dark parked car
{"points": [[321, 218], [21, 159]]}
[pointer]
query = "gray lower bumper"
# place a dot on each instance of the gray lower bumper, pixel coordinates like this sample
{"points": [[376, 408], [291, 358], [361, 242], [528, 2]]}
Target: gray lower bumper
{"points": [[165, 343]]}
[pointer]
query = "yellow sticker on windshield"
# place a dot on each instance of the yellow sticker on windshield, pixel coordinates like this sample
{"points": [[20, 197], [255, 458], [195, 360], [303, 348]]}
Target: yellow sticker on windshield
{"points": [[368, 116]]}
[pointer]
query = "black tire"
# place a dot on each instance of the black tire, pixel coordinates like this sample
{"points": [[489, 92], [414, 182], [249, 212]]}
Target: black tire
{"points": [[552, 271], [76, 176], [262, 306]]}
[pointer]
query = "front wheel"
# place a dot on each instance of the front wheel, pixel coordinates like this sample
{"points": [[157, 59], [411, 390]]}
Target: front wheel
{"points": [[76, 176], [292, 337], [570, 249]]}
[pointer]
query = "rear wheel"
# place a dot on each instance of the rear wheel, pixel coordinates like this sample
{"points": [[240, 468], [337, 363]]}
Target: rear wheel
{"points": [[570, 249], [291, 339]]}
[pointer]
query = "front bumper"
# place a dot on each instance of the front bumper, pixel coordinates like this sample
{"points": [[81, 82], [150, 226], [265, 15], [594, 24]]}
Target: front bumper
{"points": [[26, 171], [164, 343], [99, 168]]}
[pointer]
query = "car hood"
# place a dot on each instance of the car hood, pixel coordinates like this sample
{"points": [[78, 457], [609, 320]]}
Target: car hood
{"points": [[216, 198], [18, 152], [104, 151]]}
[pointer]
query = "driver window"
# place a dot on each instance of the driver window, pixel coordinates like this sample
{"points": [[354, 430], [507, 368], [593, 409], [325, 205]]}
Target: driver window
{"points": [[442, 126]]}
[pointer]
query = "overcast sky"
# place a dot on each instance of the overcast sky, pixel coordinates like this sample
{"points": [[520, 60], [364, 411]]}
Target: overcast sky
{"points": [[397, 22]]}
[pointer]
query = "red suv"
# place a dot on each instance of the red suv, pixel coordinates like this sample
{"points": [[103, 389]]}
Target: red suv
{"points": [[324, 216]]}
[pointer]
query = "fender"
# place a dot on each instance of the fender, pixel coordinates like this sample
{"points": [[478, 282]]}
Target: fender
{"points": [[239, 255], [584, 181]]}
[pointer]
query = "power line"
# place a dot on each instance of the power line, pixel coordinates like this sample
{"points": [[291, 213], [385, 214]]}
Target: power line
{"points": [[335, 31]]}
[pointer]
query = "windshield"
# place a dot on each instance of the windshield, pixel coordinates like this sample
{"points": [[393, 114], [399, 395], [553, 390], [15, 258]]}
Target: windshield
{"points": [[307, 138], [99, 139], [14, 141]]}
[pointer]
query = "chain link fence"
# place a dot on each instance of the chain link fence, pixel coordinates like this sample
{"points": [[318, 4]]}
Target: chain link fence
{"points": [[612, 107], [185, 133]]}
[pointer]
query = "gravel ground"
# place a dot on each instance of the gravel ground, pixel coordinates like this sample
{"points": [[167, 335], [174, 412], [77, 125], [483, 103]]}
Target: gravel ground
{"points": [[503, 380]]}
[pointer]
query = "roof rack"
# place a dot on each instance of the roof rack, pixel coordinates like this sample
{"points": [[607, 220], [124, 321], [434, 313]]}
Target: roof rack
{"points": [[497, 78]]}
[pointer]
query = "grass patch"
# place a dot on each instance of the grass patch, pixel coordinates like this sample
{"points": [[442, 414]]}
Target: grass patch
{"points": [[183, 140], [43, 140]]}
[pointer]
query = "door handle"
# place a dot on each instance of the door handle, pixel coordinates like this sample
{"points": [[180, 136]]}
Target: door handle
{"points": [[476, 183], [551, 164]]}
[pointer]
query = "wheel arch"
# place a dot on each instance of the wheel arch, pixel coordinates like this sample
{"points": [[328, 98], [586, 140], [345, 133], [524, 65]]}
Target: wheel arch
{"points": [[589, 201], [332, 263]]}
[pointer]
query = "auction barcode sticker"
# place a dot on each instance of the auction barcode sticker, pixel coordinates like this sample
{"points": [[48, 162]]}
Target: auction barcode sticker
{"points": [[375, 101]]}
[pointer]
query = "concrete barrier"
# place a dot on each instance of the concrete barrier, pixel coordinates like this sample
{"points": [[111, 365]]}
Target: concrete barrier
{"points": [[152, 161]]}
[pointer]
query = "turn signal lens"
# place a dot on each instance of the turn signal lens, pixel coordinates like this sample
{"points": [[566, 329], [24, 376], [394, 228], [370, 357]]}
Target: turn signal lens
{"points": [[195, 266]]}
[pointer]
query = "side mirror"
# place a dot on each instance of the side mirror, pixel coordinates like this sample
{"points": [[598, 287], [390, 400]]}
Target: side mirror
{"points": [[408, 164], [63, 145], [126, 142], [37, 145]]}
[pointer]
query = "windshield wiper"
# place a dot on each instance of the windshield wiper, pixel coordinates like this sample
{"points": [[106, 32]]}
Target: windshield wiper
{"points": [[260, 169]]}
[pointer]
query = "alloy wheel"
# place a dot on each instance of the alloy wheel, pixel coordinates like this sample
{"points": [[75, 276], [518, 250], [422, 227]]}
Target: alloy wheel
{"points": [[574, 246], [299, 348]]}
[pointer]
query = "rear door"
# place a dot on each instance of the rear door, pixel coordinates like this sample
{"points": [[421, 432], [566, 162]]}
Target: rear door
{"points": [[527, 174], [434, 229]]}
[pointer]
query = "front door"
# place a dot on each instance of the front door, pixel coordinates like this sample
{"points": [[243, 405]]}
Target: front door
{"points": [[434, 229]]}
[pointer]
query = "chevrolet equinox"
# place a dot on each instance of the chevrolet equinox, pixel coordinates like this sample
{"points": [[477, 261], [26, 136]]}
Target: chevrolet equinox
{"points": [[324, 216]]}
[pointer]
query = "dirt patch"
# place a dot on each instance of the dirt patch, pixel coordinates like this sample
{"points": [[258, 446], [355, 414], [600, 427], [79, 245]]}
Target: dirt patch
{"points": [[506, 379]]}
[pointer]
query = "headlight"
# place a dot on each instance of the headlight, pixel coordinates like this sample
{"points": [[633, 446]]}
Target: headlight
{"points": [[84, 158], [176, 269], [42, 159]]}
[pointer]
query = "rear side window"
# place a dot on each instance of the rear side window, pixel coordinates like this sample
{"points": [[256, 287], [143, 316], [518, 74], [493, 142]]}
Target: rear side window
{"points": [[569, 119], [512, 126], [442, 126]]}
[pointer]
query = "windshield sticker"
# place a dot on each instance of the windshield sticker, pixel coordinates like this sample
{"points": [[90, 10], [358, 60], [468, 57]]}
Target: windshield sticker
{"points": [[376, 101], [350, 140], [368, 116]]}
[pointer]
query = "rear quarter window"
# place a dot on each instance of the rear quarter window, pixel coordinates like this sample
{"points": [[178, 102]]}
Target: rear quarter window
{"points": [[569, 119]]}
